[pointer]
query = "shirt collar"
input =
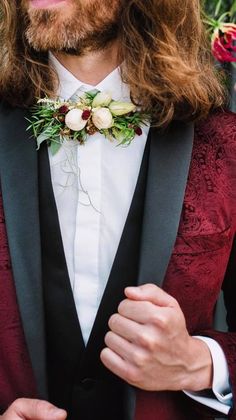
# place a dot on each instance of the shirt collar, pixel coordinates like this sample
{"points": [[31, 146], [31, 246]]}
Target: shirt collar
{"points": [[69, 84]]}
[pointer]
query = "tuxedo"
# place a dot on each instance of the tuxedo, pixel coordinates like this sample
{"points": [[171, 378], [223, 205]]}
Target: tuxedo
{"points": [[77, 380], [185, 225]]}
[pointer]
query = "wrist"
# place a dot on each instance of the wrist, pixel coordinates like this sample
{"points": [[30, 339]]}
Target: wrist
{"points": [[199, 366]]}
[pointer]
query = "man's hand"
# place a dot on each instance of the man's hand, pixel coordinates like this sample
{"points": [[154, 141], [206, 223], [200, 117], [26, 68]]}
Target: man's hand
{"points": [[148, 344], [28, 409]]}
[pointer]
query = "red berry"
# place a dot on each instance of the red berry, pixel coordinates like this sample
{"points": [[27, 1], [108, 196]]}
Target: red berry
{"points": [[138, 131], [63, 109], [86, 114]]}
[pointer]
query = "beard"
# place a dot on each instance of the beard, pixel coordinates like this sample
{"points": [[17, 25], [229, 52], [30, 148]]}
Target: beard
{"points": [[81, 26]]}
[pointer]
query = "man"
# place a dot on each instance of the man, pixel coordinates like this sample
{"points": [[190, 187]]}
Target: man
{"points": [[112, 258]]}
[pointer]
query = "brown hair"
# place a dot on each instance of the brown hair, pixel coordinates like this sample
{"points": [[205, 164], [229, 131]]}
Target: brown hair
{"points": [[168, 62]]}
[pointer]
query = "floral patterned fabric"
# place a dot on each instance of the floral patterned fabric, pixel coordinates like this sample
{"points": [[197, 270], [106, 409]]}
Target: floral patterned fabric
{"points": [[196, 271], [16, 376]]}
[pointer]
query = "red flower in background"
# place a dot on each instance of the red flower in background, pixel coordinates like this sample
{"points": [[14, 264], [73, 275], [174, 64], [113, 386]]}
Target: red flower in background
{"points": [[224, 43]]}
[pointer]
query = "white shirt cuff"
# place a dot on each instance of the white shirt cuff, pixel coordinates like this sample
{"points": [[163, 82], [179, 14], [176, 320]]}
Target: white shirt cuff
{"points": [[220, 387]]}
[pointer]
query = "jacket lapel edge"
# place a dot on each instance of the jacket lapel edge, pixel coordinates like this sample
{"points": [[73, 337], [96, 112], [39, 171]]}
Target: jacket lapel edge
{"points": [[19, 183], [169, 162]]}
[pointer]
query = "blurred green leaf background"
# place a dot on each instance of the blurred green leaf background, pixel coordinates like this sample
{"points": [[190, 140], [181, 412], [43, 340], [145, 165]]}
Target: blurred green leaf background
{"points": [[215, 9]]}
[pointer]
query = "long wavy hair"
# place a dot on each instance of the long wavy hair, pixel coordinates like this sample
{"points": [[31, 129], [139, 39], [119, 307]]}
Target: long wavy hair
{"points": [[167, 60]]}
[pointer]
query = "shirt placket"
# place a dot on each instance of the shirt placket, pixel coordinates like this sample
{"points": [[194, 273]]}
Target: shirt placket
{"points": [[87, 233]]}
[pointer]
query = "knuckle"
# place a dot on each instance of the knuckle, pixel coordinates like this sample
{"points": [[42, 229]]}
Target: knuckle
{"points": [[155, 318], [113, 321], [163, 321], [147, 307], [174, 302], [18, 404], [38, 406], [151, 344], [142, 338], [126, 374], [139, 359], [151, 287], [145, 340], [41, 408], [21, 404], [108, 337], [122, 306], [132, 376]]}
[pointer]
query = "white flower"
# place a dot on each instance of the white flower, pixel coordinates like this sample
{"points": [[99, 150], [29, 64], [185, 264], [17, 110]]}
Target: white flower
{"points": [[121, 108], [102, 99], [102, 118], [74, 120]]}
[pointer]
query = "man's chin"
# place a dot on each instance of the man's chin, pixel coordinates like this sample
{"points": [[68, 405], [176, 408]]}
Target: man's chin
{"points": [[79, 27]]}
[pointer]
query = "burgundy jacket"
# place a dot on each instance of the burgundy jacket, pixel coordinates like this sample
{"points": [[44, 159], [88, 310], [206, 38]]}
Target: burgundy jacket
{"points": [[200, 265]]}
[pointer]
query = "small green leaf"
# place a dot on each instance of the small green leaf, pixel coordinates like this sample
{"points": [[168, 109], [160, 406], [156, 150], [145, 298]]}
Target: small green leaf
{"points": [[55, 146], [92, 93], [41, 138], [218, 7]]}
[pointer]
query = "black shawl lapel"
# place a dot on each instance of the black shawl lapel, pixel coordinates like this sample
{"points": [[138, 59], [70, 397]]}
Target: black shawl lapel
{"points": [[169, 161], [19, 183]]}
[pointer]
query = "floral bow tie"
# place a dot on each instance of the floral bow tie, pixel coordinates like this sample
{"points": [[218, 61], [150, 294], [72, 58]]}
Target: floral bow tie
{"points": [[93, 112]]}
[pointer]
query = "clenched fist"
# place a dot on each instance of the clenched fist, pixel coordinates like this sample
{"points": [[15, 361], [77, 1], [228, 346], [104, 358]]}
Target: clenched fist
{"points": [[29, 409], [148, 344]]}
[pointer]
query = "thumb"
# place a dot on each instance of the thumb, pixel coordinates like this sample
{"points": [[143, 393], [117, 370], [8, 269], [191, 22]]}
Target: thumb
{"points": [[24, 408], [151, 293]]}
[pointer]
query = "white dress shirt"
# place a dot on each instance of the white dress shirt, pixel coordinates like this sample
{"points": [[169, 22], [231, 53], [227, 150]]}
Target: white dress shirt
{"points": [[93, 187]]}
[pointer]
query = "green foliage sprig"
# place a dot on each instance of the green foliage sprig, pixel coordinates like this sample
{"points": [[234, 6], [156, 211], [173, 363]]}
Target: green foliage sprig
{"points": [[93, 112]]}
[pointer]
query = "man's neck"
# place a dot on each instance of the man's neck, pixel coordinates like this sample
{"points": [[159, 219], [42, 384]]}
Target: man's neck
{"points": [[92, 67]]}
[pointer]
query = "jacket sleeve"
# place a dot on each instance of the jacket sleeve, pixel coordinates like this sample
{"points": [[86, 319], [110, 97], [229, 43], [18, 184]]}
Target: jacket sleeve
{"points": [[227, 340]]}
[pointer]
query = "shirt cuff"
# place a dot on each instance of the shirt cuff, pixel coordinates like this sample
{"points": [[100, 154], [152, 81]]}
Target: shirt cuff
{"points": [[220, 387]]}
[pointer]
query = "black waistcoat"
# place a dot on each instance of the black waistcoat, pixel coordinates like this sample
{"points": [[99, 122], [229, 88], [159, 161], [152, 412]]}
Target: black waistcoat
{"points": [[77, 379]]}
